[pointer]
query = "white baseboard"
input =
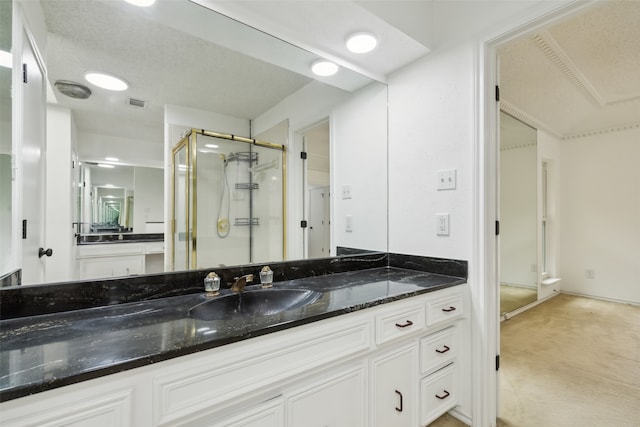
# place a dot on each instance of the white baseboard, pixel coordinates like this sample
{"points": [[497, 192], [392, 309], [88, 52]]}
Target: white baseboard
{"points": [[619, 301]]}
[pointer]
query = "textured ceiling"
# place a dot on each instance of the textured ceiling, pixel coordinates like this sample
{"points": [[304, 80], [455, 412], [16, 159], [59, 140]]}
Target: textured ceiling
{"points": [[324, 26], [162, 66], [577, 76]]}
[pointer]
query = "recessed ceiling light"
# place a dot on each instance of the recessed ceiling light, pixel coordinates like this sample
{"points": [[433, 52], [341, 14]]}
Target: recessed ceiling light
{"points": [[362, 42], [211, 145], [112, 159], [141, 3], [106, 81], [324, 68]]}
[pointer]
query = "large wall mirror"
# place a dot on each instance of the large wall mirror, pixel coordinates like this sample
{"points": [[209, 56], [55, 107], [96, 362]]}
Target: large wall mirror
{"points": [[188, 67], [518, 214]]}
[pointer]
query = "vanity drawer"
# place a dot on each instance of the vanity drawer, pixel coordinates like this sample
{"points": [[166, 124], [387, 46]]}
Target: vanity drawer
{"points": [[154, 248], [398, 323], [438, 350], [446, 308], [438, 394]]}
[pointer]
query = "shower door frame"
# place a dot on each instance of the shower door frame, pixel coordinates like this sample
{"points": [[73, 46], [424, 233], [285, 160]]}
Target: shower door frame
{"points": [[190, 140]]}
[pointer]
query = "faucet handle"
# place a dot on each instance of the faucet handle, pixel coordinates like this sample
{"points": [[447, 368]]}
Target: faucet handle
{"points": [[212, 284]]}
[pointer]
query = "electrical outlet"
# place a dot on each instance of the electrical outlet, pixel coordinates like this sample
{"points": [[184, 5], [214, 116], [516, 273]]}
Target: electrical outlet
{"points": [[442, 224], [348, 223], [590, 274], [447, 180], [346, 192]]}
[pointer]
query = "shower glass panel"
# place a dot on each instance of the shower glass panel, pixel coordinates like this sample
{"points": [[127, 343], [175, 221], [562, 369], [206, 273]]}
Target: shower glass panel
{"points": [[235, 199], [181, 244]]}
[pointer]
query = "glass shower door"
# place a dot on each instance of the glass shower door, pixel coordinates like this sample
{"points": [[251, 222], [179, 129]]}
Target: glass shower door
{"points": [[180, 226]]}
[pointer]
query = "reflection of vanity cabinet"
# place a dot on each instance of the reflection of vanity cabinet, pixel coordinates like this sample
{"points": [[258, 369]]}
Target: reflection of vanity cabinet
{"points": [[395, 365], [119, 259]]}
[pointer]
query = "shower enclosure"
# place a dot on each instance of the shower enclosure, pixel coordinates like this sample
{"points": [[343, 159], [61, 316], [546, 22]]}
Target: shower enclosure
{"points": [[228, 201]]}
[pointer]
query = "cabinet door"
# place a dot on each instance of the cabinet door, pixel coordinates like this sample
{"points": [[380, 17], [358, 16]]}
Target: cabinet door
{"points": [[394, 387], [114, 266], [337, 401], [266, 414]]}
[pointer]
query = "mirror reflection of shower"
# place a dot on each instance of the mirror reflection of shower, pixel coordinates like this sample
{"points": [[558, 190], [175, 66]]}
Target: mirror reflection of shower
{"points": [[222, 222], [234, 204]]}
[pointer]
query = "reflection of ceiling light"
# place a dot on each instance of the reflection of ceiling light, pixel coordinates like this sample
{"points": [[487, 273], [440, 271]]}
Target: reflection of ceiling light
{"points": [[211, 145], [109, 186], [361, 42], [103, 165], [324, 68], [111, 159], [6, 59], [106, 81], [141, 3], [73, 89]]}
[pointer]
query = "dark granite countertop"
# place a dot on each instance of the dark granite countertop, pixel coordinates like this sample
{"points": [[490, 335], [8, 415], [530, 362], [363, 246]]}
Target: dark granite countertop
{"points": [[111, 238], [43, 352]]}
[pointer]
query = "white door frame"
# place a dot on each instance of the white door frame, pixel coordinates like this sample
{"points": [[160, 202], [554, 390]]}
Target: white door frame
{"points": [[483, 279]]}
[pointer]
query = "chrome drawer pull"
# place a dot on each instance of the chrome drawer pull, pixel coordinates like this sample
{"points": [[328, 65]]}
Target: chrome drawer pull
{"points": [[446, 394], [451, 308], [446, 348], [404, 325]]}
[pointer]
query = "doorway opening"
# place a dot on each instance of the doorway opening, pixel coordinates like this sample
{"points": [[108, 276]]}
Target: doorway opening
{"points": [[316, 141]]}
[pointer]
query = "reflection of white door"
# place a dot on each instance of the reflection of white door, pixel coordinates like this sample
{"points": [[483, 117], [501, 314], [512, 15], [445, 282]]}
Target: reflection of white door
{"points": [[33, 152], [319, 222]]}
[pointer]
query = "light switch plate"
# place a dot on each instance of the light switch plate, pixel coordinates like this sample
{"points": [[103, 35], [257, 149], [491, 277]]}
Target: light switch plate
{"points": [[447, 180], [346, 191]]}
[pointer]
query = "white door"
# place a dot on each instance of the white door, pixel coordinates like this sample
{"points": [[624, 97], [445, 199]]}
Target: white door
{"points": [[319, 222], [33, 161]]}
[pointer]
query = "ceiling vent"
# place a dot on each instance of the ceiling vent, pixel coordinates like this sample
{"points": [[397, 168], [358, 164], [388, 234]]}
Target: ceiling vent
{"points": [[138, 103]]}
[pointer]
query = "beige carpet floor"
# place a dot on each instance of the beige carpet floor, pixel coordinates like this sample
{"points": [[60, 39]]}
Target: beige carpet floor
{"points": [[514, 297], [569, 362]]}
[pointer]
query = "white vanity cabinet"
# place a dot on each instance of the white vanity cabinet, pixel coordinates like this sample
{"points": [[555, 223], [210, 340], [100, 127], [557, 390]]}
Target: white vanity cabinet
{"points": [[395, 364], [265, 414], [118, 259], [337, 400]]}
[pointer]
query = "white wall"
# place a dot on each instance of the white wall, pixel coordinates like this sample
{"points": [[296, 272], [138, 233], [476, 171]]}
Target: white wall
{"points": [[95, 147], [148, 201], [303, 109], [359, 160], [60, 194], [519, 216], [431, 110], [600, 217]]}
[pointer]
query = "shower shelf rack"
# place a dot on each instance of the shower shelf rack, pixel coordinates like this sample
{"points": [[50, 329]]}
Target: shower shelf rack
{"points": [[246, 221], [247, 186]]}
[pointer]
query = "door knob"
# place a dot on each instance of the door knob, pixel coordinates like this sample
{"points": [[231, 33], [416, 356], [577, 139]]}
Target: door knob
{"points": [[42, 252]]}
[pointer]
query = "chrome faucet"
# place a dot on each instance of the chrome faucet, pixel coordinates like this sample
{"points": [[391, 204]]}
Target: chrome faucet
{"points": [[241, 282]]}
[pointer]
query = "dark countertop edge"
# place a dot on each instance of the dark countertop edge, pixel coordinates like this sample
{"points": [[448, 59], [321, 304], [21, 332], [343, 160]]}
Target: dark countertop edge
{"points": [[27, 390], [111, 242]]}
